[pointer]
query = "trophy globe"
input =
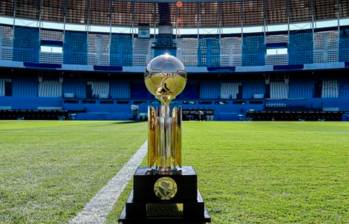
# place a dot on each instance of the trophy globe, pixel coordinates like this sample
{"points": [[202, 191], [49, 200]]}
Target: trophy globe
{"points": [[165, 78]]}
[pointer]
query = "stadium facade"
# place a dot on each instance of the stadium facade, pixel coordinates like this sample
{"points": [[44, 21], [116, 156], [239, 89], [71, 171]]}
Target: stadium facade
{"points": [[259, 59]]}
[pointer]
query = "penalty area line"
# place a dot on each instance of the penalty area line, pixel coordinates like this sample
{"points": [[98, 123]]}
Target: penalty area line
{"points": [[97, 209]]}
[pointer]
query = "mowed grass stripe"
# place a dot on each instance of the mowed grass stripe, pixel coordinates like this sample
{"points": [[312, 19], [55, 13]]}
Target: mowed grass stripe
{"points": [[271, 172], [50, 169]]}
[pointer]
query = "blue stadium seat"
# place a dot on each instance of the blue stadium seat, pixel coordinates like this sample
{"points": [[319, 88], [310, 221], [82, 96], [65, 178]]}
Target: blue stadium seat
{"points": [[119, 89], [209, 52], [25, 87], [300, 50], [344, 44], [75, 86], [121, 50], [210, 90], [75, 48], [26, 44], [253, 50]]}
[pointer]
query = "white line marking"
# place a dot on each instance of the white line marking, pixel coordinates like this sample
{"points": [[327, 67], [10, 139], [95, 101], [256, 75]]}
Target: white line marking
{"points": [[96, 211]]}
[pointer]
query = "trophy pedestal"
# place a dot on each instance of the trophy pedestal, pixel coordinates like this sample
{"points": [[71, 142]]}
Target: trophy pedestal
{"points": [[144, 206]]}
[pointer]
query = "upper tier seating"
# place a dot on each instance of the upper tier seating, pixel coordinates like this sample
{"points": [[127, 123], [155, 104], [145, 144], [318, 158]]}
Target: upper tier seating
{"points": [[22, 44], [141, 49], [98, 49], [121, 50], [344, 44], [230, 52], [209, 52], [326, 46], [26, 44], [300, 48], [281, 59], [187, 49], [75, 48], [53, 36], [253, 50], [6, 42]]}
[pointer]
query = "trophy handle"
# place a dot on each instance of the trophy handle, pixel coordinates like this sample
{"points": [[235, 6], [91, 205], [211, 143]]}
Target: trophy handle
{"points": [[177, 136], [153, 137]]}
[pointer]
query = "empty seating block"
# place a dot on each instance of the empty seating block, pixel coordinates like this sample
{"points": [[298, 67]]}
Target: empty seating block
{"points": [[100, 89], [26, 44], [301, 88], [208, 52], [230, 51], [121, 50], [76, 87], [98, 49], [51, 36], [141, 49], [278, 90], [187, 51], [329, 89], [280, 59], [210, 90], [300, 50], [75, 48], [326, 46], [50, 88], [120, 89], [344, 44], [25, 87], [6, 42], [344, 88], [229, 90], [253, 50], [2, 87], [252, 88]]}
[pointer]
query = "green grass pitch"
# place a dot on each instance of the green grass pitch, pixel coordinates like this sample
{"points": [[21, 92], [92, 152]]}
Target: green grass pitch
{"points": [[249, 172]]}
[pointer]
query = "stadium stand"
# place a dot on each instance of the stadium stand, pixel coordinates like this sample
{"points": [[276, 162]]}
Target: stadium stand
{"points": [[49, 88], [187, 49], [230, 51], [121, 50], [141, 51], [278, 90], [98, 49], [2, 87], [229, 90], [86, 58], [330, 89], [75, 48]]}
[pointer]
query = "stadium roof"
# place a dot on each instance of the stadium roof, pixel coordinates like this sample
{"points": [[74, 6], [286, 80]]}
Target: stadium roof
{"points": [[184, 14]]}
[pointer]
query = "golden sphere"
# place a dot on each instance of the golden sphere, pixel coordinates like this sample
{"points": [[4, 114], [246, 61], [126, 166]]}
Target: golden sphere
{"points": [[165, 188], [165, 77]]}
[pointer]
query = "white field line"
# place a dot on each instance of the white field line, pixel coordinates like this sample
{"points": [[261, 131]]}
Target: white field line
{"points": [[96, 211]]}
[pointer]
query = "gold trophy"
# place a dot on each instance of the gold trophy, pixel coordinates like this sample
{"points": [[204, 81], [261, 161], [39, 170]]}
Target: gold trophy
{"points": [[165, 78], [165, 191]]}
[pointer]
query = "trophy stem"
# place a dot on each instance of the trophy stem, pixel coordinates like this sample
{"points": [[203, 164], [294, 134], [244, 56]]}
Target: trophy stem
{"points": [[164, 139]]}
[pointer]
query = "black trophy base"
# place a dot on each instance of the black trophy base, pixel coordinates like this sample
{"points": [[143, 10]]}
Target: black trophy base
{"points": [[143, 206]]}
